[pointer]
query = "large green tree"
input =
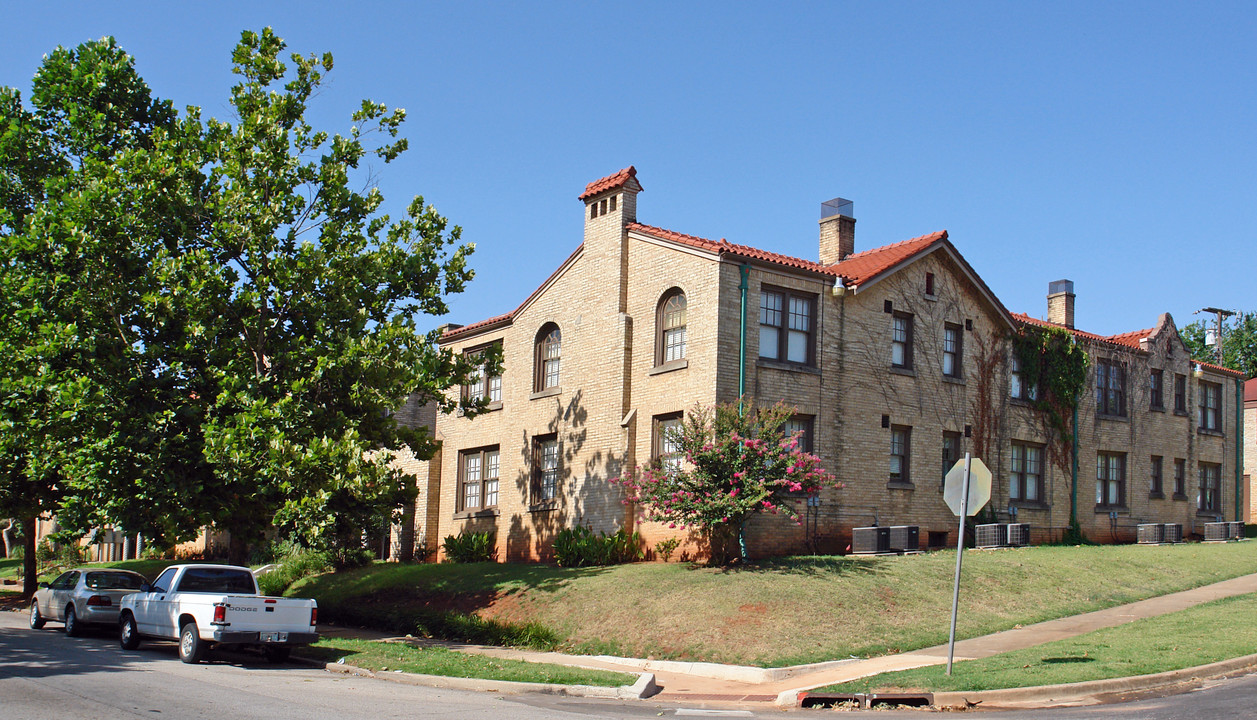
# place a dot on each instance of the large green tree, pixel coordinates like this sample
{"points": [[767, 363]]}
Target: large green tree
{"points": [[241, 321], [1239, 342]]}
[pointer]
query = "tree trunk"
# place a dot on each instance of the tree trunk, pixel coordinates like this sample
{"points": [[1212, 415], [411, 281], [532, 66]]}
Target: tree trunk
{"points": [[30, 565], [7, 533]]}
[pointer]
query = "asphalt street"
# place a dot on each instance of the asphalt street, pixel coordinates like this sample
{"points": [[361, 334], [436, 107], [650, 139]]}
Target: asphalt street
{"points": [[44, 674]]}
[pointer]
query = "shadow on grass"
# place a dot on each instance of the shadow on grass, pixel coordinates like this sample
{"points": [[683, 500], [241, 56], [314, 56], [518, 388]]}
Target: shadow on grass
{"points": [[1058, 660], [812, 565]]}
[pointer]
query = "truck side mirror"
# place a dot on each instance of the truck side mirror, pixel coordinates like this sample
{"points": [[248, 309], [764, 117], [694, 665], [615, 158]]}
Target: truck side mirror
{"points": [[43, 584], [145, 587]]}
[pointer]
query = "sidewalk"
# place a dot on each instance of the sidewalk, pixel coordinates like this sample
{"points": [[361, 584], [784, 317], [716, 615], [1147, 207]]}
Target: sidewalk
{"points": [[709, 682]]}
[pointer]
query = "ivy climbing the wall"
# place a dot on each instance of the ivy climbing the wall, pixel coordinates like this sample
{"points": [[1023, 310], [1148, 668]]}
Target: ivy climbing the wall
{"points": [[1055, 364]]}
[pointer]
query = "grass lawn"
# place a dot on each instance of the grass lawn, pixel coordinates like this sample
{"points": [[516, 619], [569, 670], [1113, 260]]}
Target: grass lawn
{"points": [[1207, 633], [10, 568], [785, 612], [389, 656]]}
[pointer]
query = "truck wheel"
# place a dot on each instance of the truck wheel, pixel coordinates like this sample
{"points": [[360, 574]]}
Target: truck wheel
{"points": [[72, 628], [276, 654], [37, 620], [190, 646], [128, 633]]}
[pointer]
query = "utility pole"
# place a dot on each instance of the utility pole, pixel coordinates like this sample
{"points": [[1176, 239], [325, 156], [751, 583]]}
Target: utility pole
{"points": [[1219, 315]]}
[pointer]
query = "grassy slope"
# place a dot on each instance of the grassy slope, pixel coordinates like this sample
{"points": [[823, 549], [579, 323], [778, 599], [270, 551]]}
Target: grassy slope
{"points": [[798, 610], [1204, 634]]}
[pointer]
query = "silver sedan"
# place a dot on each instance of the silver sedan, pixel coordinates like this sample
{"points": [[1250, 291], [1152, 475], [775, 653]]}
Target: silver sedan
{"points": [[83, 596]]}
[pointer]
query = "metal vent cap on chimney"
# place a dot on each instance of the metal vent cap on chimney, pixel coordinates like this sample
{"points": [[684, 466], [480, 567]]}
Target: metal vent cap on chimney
{"points": [[837, 206], [1061, 286]]}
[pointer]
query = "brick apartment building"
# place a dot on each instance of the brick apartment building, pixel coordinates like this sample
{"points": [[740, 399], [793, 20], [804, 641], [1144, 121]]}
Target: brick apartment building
{"points": [[897, 359]]}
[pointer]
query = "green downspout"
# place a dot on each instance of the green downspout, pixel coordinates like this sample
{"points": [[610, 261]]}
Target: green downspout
{"points": [[1239, 449], [744, 271], [1073, 478]]}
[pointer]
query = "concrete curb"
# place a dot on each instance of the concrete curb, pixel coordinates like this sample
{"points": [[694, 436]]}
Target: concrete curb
{"points": [[643, 688], [1094, 692], [736, 673]]}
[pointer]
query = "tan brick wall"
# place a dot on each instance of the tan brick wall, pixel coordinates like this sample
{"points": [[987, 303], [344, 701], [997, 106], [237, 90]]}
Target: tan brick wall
{"points": [[605, 302]]}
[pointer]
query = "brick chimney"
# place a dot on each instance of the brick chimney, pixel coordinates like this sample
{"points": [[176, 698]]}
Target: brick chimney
{"points": [[837, 231], [1061, 303]]}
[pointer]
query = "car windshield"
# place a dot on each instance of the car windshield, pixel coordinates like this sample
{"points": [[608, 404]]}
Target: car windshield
{"points": [[113, 581], [217, 580]]}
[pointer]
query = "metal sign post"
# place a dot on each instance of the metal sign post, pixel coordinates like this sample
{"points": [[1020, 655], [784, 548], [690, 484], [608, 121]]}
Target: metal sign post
{"points": [[960, 550]]}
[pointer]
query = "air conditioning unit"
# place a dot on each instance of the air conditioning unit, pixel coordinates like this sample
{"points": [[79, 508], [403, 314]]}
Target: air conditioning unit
{"points": [[905, 538], [992, 535], [870, 540], [1237, 530], [1151, 533], [1217, 531], [1173, 532], [1018, 534]]}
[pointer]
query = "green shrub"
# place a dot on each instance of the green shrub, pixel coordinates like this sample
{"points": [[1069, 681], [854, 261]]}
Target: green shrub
{"points": [[298, 563], [467, 547], [665, 548], [580, 547]]}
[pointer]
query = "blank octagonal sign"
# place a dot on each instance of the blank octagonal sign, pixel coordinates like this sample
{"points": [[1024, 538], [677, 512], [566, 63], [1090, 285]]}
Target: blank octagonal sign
{"points": [[979, 486]]}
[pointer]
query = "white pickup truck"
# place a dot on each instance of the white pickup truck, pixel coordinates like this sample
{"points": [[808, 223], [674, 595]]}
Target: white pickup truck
{"points": [[206, 605]]}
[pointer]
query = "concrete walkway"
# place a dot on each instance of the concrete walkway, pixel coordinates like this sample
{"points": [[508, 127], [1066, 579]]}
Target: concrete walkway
{"points": [[709, 682]]}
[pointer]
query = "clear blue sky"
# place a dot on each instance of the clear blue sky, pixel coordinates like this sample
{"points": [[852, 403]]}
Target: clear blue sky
{"points": [[1108, 143]]}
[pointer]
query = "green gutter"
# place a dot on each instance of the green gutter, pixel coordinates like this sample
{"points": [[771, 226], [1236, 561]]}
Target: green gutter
{"points": [[1239, 450], [744, 271]]}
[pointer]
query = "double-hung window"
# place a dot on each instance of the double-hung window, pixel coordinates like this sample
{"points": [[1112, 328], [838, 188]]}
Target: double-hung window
{"points": [[1156, 489], [1180, 394], [671, 321], [1026, 482], [478, 478], [1156, 387], [547, 357], [1180, 479], [1111, 480], [951, 453], [546, 468], [667, 444], [901, 340], [787, 326], [1110, 388], [900, 453], [1019, 386], [480, 386], [1210, 406], [800, 427], [953, 350], [1210, 488]]}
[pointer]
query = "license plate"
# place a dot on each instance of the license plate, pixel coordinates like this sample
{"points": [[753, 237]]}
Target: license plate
{"points": [[275, 637]]}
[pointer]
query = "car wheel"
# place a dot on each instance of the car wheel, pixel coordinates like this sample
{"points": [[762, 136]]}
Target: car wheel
{"points": [[71, 622], [37, 620], [190, 646], [128, 633], [276, 654]]}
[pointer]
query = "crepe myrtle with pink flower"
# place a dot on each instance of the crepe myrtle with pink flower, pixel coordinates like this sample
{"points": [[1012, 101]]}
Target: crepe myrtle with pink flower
{"points": [[735, 462]]}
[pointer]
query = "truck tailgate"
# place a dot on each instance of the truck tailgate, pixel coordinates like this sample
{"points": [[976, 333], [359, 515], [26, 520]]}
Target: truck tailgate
{"points": [[268, 614]]}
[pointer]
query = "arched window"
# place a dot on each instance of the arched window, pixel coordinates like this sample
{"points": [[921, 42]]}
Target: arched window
{"points": [[670, 327], [548, 353]]}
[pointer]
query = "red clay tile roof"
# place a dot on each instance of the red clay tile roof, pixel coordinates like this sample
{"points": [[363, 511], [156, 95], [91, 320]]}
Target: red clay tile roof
{"points": [[609, 182], [1219, 368], [724, 247], [1128, 339], [863, 266], [1111, 340], [1131, 339]]}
